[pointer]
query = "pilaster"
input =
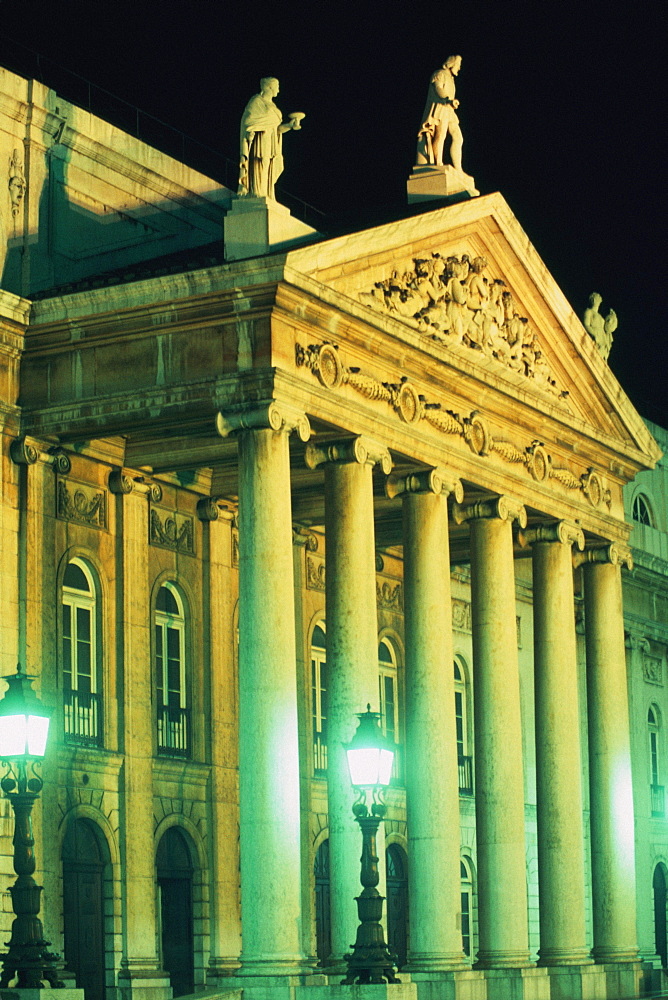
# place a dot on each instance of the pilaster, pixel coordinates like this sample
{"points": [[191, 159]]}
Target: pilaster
{"points": [[502, 891], [432, 781], [140, 977], [352, 652]]}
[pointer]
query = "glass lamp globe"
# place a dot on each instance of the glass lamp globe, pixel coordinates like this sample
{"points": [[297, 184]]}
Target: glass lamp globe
{"points": [[24, 721], [370, 753]]}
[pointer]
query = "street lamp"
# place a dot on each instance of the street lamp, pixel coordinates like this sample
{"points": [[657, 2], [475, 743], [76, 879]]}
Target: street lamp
{"points": [[370, 757], [24, 726]]}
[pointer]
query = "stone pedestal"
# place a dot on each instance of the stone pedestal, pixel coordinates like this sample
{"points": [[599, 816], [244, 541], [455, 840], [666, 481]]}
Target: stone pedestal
{"points": [[573, 982], [428, 183], [256, 226], [44, 994], [517, 984], [460, 984], [140, 984]]}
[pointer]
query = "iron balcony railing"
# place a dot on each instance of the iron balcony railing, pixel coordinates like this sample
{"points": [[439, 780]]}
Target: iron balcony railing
{"points": [[319, 755], [83, 718], [658, 800], [173, 731], [465, 766]]}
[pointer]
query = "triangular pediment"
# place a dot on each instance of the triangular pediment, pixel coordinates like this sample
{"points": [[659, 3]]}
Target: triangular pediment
{"points": [[472, 290]]}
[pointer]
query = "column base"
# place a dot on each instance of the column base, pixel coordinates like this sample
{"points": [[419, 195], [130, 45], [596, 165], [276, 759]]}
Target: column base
{"points": [[459, 984], [503, 960], [220, 970], [141, 984], [20, 993], [586, 982], [623, 979], [336, 991], [554, 957], [528, 983], [428, 963]]}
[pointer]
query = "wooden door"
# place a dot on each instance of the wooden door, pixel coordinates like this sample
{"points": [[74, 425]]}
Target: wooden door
{"points": [[83, 909]]}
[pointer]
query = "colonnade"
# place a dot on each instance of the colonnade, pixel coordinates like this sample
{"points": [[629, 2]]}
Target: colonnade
{"points": [[268, 750]]}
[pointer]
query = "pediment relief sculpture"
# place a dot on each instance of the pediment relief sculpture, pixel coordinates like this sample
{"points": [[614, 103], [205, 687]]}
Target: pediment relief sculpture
{"points": [[452, 300]]}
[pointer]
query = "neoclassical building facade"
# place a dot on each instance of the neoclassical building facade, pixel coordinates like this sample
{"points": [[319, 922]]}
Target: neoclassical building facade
{"points": [[245, 496]]}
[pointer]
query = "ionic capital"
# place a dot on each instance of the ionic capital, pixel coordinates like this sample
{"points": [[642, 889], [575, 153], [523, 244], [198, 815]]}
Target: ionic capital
{"points": [[565, 532], [124, 483], [615, 553], [438, 481], [361, 450], [276, 416], [24, 452], [504, 508]]}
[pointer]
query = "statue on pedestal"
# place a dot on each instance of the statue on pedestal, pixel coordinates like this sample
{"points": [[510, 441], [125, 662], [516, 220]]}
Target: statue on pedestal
{"points": [[599, 328], [261, 142], [434, 177]]}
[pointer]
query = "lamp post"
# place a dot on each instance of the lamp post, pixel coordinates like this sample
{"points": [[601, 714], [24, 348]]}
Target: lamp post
{"points": [[24, 726], [370, 758]]}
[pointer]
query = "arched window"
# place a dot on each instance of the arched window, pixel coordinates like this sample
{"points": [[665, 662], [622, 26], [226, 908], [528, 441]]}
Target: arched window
{"points": [[170, 674], [641, 511], [656, 788], [387, 676], [467, 906], [80, 656], [319, 697], [464, 759]]}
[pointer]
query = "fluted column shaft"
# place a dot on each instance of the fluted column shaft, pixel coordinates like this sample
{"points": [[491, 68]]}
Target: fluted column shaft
{"points": [[611, 792], [558, 760], [502, 890], [432, 781], [352, 656], [268, 750]]}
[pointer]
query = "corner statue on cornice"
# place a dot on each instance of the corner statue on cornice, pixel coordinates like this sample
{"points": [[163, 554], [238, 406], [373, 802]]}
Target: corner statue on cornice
{"points": [[433, 177], [261, 142], [599, 328]]}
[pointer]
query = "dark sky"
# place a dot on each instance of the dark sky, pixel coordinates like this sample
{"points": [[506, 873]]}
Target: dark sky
{"points": [[562, 107]]}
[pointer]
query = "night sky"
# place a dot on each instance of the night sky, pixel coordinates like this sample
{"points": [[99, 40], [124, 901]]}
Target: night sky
{"points": [[562, 108]]}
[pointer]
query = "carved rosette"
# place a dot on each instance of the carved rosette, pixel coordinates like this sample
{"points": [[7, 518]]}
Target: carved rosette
{"points": [[412, 407]]}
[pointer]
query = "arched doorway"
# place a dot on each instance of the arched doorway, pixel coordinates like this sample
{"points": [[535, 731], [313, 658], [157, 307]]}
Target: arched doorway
{"points": [[83, 907], [175, 892], [323, 937], [397, 903], [659, 886]]}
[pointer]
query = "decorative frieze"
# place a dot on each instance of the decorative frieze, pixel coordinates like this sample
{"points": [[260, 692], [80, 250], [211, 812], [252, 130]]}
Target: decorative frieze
{"points": [[389, 595], [315, 573], [171, 530], [413, 406], [461, 615], [452, 300], [652, 670], [81, 503]]}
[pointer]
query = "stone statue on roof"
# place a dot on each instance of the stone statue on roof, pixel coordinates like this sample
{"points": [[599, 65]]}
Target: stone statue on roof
{"points": [[601, 329], [437, 175], [261, 141]]}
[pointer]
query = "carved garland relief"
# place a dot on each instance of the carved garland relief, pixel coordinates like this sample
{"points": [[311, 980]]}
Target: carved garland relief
{"points": [[169, 530], [452, 300], [412, 406], [81, 503]]}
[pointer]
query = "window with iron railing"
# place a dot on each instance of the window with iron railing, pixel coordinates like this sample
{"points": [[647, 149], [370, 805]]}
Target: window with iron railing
{"points": [[389, 702], [173, 715], [319, 697], [80, 653]]}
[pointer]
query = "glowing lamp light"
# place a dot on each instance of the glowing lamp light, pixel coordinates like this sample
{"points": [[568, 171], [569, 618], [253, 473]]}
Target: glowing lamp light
{"points": [[370, 754], [24, 721]]}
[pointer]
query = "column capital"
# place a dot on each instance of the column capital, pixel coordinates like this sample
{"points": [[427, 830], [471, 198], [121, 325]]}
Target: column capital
{"points": [[27, 452], [566, 532], [504, 508], [361, 450], [275, 415], [437, 480], [123, 483], [615, 553]]}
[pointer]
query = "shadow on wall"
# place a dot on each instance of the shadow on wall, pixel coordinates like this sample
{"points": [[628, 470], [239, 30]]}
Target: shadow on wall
{"points": [[94, 204]]}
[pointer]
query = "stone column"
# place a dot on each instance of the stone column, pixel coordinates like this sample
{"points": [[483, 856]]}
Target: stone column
{"points": [[352, 653], [432, 781], [499, 776], [269, 805], [558, 762], [140, 975], [610, 785]]}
